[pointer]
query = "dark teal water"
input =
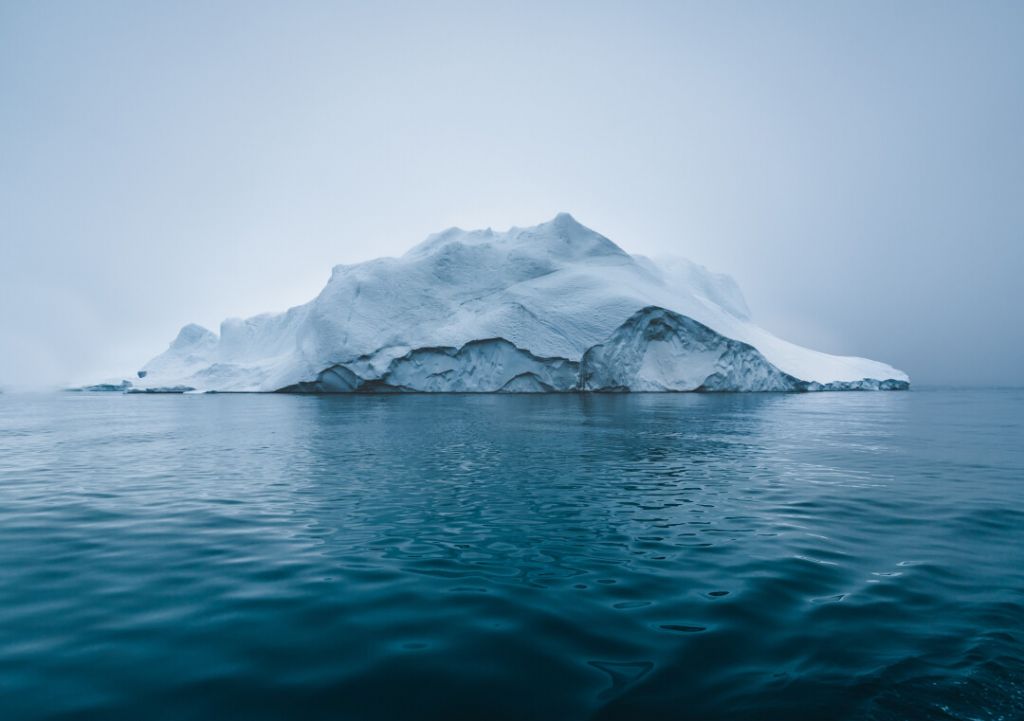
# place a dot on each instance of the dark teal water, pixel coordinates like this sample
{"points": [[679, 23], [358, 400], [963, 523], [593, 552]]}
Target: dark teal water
{"points": [[819, 556]]}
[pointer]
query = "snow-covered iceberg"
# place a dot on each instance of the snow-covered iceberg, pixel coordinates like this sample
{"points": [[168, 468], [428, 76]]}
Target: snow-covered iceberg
{"points": [[554, 307]]}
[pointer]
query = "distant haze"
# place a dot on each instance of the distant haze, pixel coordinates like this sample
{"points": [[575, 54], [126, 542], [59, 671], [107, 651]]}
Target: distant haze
{"points": [[857, 167]]}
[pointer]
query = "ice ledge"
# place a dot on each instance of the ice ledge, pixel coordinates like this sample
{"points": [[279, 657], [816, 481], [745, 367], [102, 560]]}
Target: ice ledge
{"points": [[655, 350]]}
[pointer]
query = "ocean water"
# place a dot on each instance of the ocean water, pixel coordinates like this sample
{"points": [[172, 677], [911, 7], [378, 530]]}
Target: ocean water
{"points": [[820, 556]]}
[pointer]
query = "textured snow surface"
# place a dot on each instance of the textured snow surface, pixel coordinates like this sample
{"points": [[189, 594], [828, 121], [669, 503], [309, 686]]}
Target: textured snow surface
{"points": [[484, 366], [658, 350], [515, 311]]}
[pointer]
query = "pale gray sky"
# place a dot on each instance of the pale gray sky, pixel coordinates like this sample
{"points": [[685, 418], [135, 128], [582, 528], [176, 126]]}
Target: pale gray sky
{"points": [[857, 167]]}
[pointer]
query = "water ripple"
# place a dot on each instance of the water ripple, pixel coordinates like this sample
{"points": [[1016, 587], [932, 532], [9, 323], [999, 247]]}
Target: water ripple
{"points": [[826, 556]]}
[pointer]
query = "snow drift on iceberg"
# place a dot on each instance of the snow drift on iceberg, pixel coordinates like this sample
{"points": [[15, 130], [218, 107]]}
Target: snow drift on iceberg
{"points": [[554, 307]]}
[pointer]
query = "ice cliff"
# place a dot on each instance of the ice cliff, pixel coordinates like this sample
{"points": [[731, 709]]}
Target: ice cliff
{"points": [[554, 307]]}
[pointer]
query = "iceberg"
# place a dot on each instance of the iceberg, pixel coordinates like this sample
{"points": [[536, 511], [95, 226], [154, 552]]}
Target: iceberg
{"points": [[555, 307], [111, 386]]}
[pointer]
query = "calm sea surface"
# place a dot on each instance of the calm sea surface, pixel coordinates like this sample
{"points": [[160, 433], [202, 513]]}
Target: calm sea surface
{"points": [[822, 556]]}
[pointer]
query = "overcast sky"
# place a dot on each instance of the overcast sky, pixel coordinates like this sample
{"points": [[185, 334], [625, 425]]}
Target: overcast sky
{"points": [[857, 167]]}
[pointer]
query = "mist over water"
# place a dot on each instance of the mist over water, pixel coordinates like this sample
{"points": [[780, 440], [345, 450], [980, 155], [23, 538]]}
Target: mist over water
{"points": [[857, 167], [813, 556]]}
